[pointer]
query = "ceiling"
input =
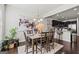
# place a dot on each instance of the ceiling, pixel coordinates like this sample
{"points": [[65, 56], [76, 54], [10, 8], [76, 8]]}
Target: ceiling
{"points": [[67, 14], [35, 9]]}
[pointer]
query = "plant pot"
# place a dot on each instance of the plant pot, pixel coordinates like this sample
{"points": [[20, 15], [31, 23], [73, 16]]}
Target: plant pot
{"points": [[11, 45], [4, 45]]}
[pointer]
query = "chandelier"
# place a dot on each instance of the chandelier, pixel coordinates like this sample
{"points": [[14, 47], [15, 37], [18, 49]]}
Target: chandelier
{"points": [[37, 18]]}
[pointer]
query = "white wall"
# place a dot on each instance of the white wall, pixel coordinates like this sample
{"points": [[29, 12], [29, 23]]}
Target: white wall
{"points": [[78, 26], [49, 23], [0, 28], [0, 23], [12, 18]]}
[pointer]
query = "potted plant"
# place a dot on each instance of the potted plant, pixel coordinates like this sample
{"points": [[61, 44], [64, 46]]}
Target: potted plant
{"points": [[4, 45], [11, 37]]}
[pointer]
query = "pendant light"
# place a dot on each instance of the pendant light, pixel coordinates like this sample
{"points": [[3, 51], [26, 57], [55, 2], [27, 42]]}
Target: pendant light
{"points": [[38, 19]]}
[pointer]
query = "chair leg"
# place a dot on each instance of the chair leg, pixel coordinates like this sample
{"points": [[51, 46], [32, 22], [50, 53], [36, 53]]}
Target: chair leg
{"points": [[47, 45], [36, 46], [53, 43], [26, 48], [41, 46]]}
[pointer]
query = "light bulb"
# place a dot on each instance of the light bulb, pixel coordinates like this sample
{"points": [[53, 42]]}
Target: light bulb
{"points": [[78, 13], [41, 19], [75, 9], [34, 19], [38, 20]]}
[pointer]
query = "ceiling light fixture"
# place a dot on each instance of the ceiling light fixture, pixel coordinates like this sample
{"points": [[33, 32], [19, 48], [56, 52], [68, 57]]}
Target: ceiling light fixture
{"points": [[57, 14], [62, 16], [41, 19], [34, 19], [75, 9], [38, 17], [78, 13]]}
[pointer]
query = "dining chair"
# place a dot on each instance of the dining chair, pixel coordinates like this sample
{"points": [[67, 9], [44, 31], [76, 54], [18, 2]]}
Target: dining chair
{"points": [[43, 42], [27, 43], [50, 40]]}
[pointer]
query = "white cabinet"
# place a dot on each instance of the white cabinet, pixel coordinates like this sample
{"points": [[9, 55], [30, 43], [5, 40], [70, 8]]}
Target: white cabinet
{"points": [[66, 36]]}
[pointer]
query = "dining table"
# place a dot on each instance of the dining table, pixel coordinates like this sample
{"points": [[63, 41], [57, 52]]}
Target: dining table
{"points": [[34, 37]]}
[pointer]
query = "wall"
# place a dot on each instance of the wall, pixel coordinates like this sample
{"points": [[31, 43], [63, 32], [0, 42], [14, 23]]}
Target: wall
{"points": [[0, 25], [12, 19], [48, 23], [78, 26]]}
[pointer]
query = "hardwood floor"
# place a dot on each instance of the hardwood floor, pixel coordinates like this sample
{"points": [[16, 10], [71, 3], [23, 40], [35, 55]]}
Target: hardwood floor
{"points": [[70, 50], [66, 50]]}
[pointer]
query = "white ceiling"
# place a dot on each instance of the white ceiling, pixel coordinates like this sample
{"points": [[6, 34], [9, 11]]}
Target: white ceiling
{"points": [[67, 14], [33, 9]]}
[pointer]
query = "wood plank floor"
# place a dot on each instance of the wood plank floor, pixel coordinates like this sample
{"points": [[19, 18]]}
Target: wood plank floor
{"points": [[66, 50], [70, 50]]}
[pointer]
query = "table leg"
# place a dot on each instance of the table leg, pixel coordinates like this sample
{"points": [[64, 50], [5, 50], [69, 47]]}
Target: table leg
{"points": [[33, 46], [27, 49]]}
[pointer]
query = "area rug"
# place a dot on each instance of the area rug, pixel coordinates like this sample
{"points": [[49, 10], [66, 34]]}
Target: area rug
{"points": [[57, 47]]}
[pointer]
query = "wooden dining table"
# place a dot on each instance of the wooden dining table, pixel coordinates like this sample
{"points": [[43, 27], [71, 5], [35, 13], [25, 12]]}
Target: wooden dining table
{"points": [[34, 37]]}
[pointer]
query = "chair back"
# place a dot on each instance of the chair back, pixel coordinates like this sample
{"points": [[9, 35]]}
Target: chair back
{"points": [[50, 35], [25, 35]]}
